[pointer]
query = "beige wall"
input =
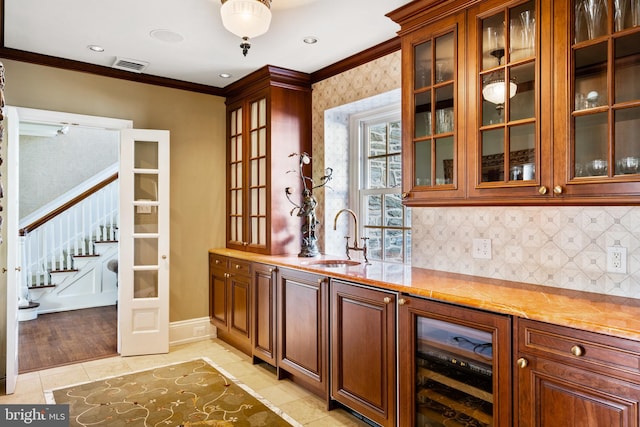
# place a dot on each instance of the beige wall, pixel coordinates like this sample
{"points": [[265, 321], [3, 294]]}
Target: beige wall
{"points": [[197, 126]]}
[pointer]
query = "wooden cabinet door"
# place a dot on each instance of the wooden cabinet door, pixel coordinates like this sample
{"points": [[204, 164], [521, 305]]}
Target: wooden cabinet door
{"points": [[363, 362], [218, 291], [264, 313], [552, 394], [303, 329]]}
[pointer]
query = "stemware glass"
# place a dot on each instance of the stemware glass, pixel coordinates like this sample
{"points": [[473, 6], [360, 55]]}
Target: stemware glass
{"points": [[595, 13], [528, 20], [620, 13]]}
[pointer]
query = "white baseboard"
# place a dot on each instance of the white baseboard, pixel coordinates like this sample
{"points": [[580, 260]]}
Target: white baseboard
{"points": [[191, 330]]}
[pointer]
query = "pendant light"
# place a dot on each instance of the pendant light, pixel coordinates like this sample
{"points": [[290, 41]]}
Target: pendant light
{"points": [[246, 19]]}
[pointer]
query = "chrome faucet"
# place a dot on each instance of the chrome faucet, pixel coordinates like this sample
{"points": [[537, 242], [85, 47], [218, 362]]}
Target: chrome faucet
{"points": [[355, 246]]}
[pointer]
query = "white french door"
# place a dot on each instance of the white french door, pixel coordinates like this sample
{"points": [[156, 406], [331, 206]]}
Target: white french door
{"points": [[143, 282]]}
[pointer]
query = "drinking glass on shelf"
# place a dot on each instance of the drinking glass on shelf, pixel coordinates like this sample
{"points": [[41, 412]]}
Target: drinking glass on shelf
{"points": [[528, 28], [620, 13], [635, 12], [595, 15]]}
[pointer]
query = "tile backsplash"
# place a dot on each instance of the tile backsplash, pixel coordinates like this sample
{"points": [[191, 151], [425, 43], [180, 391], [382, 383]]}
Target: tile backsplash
{"points": [[563, 247]]}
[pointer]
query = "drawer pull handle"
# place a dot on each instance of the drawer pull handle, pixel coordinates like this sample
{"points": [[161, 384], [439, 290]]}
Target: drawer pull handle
{"points": [[542, 190], [577, 351], [522, 363], [386, 300]]}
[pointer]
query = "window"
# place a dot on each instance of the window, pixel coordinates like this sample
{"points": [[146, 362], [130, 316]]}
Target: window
{"points": [[377, 189]]}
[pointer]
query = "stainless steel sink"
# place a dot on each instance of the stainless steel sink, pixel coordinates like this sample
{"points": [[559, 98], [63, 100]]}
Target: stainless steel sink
{"points": [[334, 263]]}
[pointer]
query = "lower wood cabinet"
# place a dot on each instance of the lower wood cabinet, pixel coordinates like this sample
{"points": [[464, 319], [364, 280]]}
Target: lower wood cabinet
{"points": [[455, 365], [263, 321], [303, 328], [363, 350], [230, 300], [568, 377]]}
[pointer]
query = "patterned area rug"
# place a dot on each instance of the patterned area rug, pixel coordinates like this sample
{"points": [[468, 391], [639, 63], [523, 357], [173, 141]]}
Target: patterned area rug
{"points": [[193, 393]]}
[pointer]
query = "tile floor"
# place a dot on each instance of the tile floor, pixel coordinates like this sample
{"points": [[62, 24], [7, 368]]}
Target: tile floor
{"points": [[301, 405]]}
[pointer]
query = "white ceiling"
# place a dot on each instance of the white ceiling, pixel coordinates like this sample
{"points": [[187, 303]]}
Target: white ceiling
{"points": [[64, 29]]}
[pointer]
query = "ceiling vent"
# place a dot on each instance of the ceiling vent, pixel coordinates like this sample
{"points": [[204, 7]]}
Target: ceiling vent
{"points": [[130, 65]]}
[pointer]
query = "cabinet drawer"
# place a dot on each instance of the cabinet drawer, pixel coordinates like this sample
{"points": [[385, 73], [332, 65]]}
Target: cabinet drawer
{"points": [[598, 352], [242, 268], [218, 262]]}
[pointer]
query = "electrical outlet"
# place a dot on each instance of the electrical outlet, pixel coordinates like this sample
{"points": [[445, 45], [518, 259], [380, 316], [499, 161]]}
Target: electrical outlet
{"points": [[482, 248], [617, 259], [199, 331]]}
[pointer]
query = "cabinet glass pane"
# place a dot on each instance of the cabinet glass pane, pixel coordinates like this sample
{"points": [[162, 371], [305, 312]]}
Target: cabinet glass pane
{"points": [[423, 114], [145, 186], [145, 284], [493, 41], [591, 76], [422, 65], [492, 155], [454, 374], [627, 141], [522, 140], [422, 156], [444, 109], [627, 67], [145, 219], [622, 14], [262, 117], [145, 155], [591, 17], [522, 31], [591, 145], [522, 105], [493, 95], [444, 58], [444, 160], [145, 251]]}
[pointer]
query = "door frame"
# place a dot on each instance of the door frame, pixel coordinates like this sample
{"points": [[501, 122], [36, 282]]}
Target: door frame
{"points": [[12, 143]]}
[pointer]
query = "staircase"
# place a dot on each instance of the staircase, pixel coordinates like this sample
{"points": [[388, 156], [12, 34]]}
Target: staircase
{"points": [[65, 253]]}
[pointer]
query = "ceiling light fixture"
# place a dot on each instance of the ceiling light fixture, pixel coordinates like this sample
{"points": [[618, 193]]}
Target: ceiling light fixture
{"points": [[246, 19], [95, 48], [495, 90], [310, 40]]}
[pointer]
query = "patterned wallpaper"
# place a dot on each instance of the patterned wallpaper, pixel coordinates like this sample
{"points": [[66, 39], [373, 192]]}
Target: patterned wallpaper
{"points": [[563, 247]]}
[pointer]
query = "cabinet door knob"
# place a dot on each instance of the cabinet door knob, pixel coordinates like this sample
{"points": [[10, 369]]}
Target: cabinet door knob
{"points": [[217, 261], [542, 190], [237, 266], [522, 363], [386, 300], [405, 195], [227, 275], [272, 270], [403, 301], [577, 351], [557, 189]]}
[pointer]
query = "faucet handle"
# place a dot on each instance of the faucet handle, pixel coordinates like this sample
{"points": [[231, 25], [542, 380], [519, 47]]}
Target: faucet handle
{"points": [[365, 240]]}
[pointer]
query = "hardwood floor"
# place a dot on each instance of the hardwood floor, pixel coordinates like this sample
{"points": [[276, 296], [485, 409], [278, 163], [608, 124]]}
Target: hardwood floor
{"points": [[57, 339]]}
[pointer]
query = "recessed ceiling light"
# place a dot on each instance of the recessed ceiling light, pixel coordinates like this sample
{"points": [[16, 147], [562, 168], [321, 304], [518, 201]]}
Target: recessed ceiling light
{"points": [[166, 36], [310, 40], [225, 75], [95, 48]]}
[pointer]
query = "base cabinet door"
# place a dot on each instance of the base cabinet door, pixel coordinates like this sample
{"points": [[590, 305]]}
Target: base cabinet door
{"points": [[572, 378], [230, 300], [264, 312], [363, 348], [454, 365], [303, 327]]}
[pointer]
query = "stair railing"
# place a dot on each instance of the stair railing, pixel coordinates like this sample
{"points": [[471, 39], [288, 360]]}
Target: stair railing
{"points": [[71, 230]]}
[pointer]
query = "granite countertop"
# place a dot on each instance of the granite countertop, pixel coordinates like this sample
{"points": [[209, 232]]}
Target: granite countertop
{"points": [[611, 315]]}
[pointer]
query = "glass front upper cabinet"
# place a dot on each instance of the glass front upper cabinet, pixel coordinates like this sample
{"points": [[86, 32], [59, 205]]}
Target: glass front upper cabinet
{"points": [[605, 115], [507, 85], [435, 111]]}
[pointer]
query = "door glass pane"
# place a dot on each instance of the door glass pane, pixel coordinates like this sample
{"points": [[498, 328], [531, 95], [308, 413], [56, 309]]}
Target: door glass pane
{"points": [[522, 31], [423, 114], [522, 152], [444, 58], [591, 145], [145, 187], [422, 157], [444, 160], [422, 65], [145, 219], [145, 284], [145, 155], [627, 66], [493, 41], [444, 109], [591, 76], [145, 251], [522, 105], [591, 18], [627, 144], [493, 155]]}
